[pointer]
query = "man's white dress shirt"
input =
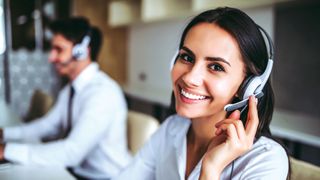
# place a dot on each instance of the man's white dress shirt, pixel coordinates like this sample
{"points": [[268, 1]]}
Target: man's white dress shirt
{"points": [[163, 157], [96, 146]]}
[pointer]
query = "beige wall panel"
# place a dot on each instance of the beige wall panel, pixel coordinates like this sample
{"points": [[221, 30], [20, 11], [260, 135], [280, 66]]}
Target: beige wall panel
{"points": [[113, 55]]}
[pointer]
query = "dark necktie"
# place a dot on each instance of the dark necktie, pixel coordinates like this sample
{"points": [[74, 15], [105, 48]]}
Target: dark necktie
{"points": [[69, 115]]}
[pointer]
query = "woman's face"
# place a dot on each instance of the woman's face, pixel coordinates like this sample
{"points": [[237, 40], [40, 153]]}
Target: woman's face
{"points": [[207, 73]]}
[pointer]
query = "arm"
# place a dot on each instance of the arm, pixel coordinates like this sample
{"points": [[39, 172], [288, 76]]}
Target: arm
{"points": [[95, 116], [39, 128], [231, 141]]}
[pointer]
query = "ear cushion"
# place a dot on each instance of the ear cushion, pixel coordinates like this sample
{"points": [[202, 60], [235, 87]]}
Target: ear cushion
{"points": [[79, 52], [249, 87], [173, 59], [244, 87]]}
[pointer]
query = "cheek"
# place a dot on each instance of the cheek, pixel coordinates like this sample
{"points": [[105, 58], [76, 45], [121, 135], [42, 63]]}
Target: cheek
{"points": [[223, 90], [175, 74], [65, 56]]}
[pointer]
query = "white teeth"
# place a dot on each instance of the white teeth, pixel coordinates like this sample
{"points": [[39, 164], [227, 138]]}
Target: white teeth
{"points": [[192, 96]]}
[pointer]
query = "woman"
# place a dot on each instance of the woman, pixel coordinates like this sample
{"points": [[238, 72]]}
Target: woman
{"points": [[218, 50]]}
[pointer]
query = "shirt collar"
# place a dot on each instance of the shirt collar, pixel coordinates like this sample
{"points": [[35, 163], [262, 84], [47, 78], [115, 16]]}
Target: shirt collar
{"points": [[180, 129], [178, 133], [85, 76]]}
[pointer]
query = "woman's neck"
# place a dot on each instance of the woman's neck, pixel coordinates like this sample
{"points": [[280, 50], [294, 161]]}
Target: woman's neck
{"points": [[199, 135], [203, 129]]}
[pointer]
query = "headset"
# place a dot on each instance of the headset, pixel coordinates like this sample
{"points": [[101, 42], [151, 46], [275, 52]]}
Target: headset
{"points": [[80, 51], [252, 85]]}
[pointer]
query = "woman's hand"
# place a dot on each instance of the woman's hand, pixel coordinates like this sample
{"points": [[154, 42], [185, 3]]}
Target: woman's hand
{"points": [[231, 141]]}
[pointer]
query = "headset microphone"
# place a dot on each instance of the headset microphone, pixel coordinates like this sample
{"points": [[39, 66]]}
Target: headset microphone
{"points": [[242, 103]]}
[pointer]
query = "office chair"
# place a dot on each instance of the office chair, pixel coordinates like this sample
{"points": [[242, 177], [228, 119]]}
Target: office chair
{"points": [[40, 104], [304, 170], [140, 127]]}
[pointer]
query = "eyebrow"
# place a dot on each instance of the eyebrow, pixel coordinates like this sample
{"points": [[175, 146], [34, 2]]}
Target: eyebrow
{"points": [[207, 58], [188, 51], [56, 47]]}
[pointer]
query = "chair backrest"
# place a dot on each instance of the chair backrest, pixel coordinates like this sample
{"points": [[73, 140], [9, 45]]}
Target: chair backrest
{"points": [[304, 170], [140, 128], [40, 104]]}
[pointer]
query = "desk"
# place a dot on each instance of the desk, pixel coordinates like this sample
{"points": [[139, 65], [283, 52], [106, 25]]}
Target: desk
{"points": [[13, 171], [296, 127], [18, 172]]}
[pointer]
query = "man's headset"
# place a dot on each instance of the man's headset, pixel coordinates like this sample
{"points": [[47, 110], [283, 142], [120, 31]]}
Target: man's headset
{"points": [[253, 85], [80, 50]]}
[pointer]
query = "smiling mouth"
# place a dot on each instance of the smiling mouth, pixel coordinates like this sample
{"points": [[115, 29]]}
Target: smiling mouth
{"points": [[192, 96]]}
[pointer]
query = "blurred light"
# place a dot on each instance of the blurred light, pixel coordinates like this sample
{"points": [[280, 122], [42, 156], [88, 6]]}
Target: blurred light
{"points": [[49, 10], [36, 14], [48, 34], [22, 19]]}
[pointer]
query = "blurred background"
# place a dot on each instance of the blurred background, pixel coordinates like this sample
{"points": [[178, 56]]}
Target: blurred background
{"points": [[140, 38]]}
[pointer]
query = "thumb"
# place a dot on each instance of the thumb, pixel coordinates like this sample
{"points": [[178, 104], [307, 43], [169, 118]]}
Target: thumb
{"points": [[234, 115]]}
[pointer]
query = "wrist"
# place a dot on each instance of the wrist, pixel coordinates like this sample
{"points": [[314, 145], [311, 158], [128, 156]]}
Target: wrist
{"points": [[209, 171]]}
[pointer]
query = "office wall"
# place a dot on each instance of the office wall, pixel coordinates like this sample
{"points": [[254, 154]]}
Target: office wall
{"points": [[297, 62], [113, 54]]}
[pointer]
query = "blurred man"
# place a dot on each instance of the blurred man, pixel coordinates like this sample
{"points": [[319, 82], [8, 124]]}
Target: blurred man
{"points": [[88, 119]]}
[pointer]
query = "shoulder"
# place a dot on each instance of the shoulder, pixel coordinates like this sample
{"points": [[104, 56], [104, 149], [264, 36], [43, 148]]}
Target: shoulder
{"points": [[175, 123], [104, 86], [269, 150], [101, 79], [269, 147], [174, 126], [267, 158]]}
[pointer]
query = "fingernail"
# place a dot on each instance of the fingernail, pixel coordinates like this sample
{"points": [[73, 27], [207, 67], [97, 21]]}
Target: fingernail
{"points": [[256, 100]]}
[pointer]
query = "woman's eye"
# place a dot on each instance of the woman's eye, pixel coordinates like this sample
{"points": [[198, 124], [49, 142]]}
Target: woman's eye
{"points": [[186, 58], [216, 67]]}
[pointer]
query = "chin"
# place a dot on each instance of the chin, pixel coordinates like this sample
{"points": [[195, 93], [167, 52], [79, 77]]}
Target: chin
{"points": [[194, 113], [187, 113], [61, 72]]}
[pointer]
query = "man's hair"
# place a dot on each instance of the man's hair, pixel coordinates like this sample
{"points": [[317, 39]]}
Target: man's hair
{"points": [[75, 29]]}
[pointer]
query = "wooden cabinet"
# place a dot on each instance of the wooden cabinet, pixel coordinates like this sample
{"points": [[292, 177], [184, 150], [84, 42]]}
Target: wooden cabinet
{"points": [[164, 9], [126, 12], [123, 12]]}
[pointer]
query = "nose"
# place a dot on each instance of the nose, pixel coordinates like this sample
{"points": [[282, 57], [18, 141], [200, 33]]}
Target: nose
{"points": [[195, 76]]}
